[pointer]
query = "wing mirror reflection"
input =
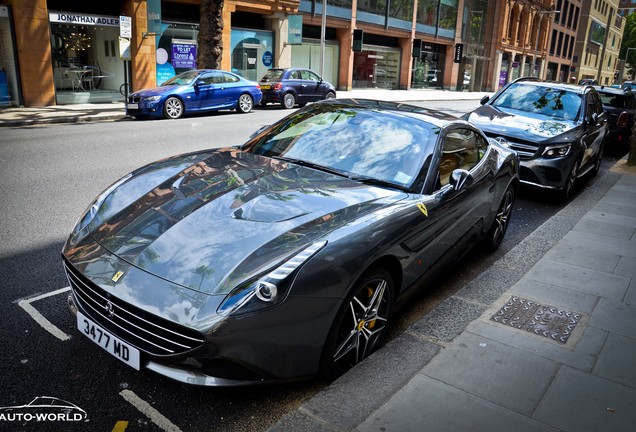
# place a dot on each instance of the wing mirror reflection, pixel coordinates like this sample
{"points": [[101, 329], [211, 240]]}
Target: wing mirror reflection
{"points": [[460, 179], [484, 100]]}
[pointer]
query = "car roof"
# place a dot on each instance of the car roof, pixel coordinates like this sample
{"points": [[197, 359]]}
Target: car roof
{"points": [[613, 90], [554, 84]]}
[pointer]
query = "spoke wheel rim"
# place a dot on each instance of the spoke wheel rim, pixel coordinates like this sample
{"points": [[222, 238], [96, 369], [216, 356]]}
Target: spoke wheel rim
{"points": [[503, 217], [245, 103], [173, 108], [289, 101], [363, 324], [569, 186]]}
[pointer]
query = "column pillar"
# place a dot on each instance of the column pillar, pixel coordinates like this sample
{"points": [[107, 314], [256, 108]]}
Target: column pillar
{"points": [[279, 24], [143, 62]]}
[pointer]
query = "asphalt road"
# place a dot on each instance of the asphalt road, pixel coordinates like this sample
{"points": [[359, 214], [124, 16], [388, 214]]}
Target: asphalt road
{"points": [[49, 175]]}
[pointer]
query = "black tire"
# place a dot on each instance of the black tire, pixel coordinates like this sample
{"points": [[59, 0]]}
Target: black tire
{"points": [[499, 226], [173, 108], [245, 103], [330, 95], [289, 101], [359, 325], [568, 188]]}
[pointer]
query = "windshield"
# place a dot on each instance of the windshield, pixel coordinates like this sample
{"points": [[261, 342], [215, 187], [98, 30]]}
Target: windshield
{"points": [[184, 78], [387, 146], [616, 100], [546, 101], [273, 75]]}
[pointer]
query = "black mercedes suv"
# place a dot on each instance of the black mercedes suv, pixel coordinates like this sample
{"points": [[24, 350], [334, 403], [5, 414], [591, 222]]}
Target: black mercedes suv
{"points": [[558, 130]]}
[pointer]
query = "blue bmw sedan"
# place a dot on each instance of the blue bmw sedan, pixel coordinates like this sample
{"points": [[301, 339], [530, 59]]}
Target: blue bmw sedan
{"points": [[195, 91]]}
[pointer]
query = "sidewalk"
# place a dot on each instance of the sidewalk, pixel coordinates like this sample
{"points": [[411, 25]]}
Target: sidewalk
{"points": [[467, 366], [115, 111]]}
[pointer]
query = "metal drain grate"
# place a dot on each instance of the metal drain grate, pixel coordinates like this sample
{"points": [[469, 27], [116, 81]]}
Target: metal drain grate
{"points": [[543, 320]]}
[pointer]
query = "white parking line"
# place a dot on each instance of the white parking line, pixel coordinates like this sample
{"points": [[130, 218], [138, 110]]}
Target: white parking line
{"points": [[155, 416], [37, 316]]}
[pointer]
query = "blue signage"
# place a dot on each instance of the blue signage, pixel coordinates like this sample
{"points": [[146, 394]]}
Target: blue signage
{"points": [[153, 8], [184, 55], [295, 29], [267, 58]]}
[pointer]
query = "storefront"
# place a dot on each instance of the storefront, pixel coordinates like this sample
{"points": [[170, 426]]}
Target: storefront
{"points": [[307, 55], [252, 52], [427, 69], [176, 49], [85, 55], [376, 67], [9, 83]]}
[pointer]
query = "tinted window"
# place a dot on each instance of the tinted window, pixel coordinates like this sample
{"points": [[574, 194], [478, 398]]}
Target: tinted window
{"points": [[273, 75], [229, 78], [552, 102], [616, 100], [295, 75], [182, 79], [462, 149], [387, 146], [309, 75]]}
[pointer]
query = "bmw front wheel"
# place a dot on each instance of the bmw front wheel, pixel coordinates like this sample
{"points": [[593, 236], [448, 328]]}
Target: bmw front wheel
{"points": [[173, 108]]}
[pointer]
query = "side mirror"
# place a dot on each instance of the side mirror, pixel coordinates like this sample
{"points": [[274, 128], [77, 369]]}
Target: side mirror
{"points": [[484, 100], [460, 179], [258, 131]]}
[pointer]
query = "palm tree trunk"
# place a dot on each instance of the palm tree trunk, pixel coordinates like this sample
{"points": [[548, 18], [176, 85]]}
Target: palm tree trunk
{"points": [[210, 38]]}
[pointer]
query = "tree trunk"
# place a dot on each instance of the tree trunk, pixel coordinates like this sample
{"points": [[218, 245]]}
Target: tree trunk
{"points": [[210, 37]]}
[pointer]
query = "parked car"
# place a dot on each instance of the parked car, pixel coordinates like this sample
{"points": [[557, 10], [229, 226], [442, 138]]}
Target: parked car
{"points": [[289, 255], [628, 85], [195, 91], [558, 130], [292, 86], [620, 105]]}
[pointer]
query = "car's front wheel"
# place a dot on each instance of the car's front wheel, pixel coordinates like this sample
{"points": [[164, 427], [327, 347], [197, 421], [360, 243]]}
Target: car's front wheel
{"points": [[245, 103], [568, 188], [502, 220], [598, 161], [330, 95], [289, 100], [360, 324], [173, 108]]}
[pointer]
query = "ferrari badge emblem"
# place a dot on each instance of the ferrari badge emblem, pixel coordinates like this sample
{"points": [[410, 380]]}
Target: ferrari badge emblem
{"points": [[423, 209], [117, 276]]}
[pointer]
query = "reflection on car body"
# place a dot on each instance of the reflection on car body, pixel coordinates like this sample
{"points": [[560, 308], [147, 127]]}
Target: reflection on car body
{"points": [[288, 256], [558, 130]]}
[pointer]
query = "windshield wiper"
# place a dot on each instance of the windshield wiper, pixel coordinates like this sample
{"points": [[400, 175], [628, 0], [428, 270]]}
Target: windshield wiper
{"points": [[376, 182], [315, 166]]}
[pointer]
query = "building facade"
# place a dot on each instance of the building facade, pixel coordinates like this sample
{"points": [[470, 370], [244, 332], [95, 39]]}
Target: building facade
{"points": [[73, 51], [598, 42]]}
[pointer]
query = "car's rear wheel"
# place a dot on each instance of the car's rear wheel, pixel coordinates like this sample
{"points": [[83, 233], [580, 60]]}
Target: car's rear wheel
{"points": [[330, 95], [360, 324], [568, 188], [173, 108], [499, 226], [289, 100], [245, 103]]}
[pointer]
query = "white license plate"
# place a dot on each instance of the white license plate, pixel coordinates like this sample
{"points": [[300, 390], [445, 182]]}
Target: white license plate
{"points": [[132, 106], [103, 338]]}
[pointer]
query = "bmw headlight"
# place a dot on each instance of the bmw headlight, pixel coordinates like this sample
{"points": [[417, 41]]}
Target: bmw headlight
{"points": [[556, 151], [152, 98], [92, 210], [269, 289]]}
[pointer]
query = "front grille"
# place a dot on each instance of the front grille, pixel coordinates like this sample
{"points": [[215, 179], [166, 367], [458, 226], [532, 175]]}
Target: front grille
{"points": [[134, 99], [146, 331], [525, 149]]}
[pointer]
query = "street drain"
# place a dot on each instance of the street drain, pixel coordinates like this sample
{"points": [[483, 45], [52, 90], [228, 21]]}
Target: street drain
{"points": [[543, 320]]}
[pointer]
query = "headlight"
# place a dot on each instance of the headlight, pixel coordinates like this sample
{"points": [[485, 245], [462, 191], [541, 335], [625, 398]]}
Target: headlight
{"points": [[556, 151], [269, 289], [152, 98], [92, 210]]}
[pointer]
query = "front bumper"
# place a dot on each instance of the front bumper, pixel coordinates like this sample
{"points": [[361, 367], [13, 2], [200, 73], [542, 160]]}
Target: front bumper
{"points": [[546, 173], [146, 109]]}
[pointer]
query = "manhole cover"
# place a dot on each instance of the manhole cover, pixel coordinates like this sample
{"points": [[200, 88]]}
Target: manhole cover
{"points": [[548, 321]]}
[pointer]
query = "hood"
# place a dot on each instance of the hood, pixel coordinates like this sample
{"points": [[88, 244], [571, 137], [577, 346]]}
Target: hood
{"points": [[226, 216], [519, 124], [156, 91]]}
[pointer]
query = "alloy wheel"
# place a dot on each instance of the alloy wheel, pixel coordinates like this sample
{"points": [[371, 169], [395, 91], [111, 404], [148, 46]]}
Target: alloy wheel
{"points": [[289, 100], [502, 219], [245, 103], [173, 108]]}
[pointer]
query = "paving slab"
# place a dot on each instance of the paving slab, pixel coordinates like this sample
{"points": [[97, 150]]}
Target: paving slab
{"points": [[497, 372], [619, 197], [426, 405], [630, 297], [583, 256], [581, 352], [617, 209], [617, 360], [604, 217], [605, 229], [603, 243], [626, 267], [580, 279], [554, 295], [582, 402], [616, 317]]}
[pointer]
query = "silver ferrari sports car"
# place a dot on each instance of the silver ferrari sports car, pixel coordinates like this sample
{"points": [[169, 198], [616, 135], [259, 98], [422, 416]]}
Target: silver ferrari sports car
{"points": [[288, 256]]}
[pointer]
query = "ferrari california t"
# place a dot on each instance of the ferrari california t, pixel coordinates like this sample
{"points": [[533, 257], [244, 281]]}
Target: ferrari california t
{"points": [[195, 91], [288, 256]]}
